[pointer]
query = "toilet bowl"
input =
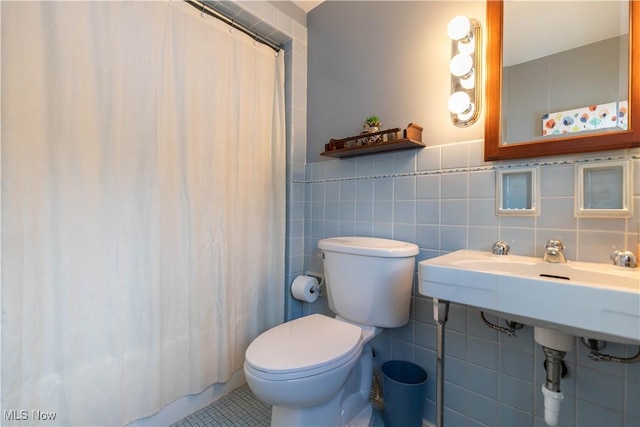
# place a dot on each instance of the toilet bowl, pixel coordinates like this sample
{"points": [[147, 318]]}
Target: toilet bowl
{"points": [[317, 370], [314, 358]]}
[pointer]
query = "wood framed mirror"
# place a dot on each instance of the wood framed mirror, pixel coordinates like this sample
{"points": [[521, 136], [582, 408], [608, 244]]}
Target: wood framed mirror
{"points": [[498, 148]]}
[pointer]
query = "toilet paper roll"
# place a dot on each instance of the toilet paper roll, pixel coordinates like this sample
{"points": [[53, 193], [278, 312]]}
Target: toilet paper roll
{"points": [[303, 288]]}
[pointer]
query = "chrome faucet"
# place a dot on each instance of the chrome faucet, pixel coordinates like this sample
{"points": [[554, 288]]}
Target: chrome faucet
{"points": [[500, 248], [624, 258], [554, 251]]}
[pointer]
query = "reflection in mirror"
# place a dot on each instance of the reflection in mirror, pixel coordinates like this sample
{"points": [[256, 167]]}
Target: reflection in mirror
{"points": [[548, 99], [578, 60]]}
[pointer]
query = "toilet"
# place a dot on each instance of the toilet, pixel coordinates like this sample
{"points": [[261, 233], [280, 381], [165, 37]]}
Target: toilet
{"points": [[317, 370]]}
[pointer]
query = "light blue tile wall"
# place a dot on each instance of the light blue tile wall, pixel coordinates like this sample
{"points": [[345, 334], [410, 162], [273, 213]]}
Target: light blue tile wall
{"points": [[271, 19], [443, 199]]}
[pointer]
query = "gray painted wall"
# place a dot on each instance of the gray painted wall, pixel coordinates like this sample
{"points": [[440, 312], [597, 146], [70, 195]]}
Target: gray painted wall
{"points": [[385, 58], [573, 79]]}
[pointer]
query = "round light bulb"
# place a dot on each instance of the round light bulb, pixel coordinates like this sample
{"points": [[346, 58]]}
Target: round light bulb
{"points": [[468, 114], [459, 27], [467, 46], [459, 102], [468, 82], [461, 65]]}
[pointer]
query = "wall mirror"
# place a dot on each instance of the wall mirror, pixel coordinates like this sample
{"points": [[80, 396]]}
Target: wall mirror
{"points": [[551, 102]]}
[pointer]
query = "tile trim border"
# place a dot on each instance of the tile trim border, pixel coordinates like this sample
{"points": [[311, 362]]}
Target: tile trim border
{"points": [[473, 169]]}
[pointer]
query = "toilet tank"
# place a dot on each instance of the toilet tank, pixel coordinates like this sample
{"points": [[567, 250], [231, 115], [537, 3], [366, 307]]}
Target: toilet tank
{"points": [[369, 279]]}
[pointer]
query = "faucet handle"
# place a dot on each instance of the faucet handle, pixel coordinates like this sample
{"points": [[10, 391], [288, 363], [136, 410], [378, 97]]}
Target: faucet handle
{"points": [[500, 248], [554, 251], [555, 245], [624, 258]]}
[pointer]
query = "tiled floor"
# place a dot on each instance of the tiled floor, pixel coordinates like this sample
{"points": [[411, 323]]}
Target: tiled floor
{"points": [[239, 408]]}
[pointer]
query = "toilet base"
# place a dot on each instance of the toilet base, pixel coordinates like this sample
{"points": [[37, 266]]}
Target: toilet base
{"points": [[363, 419], [350, 407], [328, 413]]}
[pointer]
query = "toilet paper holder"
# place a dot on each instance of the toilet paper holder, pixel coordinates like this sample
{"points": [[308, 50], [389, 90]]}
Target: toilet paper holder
{"points": [[320, 288]]}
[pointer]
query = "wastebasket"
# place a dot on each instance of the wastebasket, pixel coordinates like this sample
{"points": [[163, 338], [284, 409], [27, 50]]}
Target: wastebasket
{"points": [[403, 390]]}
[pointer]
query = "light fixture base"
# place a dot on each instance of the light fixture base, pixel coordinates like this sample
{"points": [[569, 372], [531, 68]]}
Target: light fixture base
{"points": [[466, 76]]}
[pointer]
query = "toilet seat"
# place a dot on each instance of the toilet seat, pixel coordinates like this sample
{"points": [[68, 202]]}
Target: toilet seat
{"points": [[310, 345]]}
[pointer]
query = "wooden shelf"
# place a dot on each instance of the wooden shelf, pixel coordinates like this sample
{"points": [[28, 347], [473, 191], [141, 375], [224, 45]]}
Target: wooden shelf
{"points": [[412, 138], [396, 144]]}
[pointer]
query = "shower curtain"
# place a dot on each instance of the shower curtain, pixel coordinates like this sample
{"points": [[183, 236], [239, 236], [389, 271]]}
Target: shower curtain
{"points": [[143, 206]]}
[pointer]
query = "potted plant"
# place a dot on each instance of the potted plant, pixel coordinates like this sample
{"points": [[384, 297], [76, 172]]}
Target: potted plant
{"points": [[371, 125]]}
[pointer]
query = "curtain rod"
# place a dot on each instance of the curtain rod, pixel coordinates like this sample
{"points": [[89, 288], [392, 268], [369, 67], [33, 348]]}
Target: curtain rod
{"points": [[201, 6]]}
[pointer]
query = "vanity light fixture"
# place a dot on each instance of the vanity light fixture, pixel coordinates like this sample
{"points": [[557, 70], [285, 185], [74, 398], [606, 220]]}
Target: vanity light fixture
{"points": [[465, 66]]}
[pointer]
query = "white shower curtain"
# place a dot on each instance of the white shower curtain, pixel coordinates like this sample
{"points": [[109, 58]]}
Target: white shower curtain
{"points": [[143, 206]]}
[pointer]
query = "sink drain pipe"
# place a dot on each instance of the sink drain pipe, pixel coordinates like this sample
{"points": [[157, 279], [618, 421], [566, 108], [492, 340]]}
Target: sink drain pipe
{"points": [[440, 314], [555, 345], [553, 397]]}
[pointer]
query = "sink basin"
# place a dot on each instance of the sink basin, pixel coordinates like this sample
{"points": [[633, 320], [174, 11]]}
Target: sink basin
{"points": [[594, 300]]}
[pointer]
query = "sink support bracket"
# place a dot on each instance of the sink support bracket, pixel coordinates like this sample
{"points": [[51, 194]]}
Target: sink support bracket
{"points": [[440, 315]]}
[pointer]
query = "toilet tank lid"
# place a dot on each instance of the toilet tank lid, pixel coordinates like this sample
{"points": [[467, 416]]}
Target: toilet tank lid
{"points": [[369, 246]]}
